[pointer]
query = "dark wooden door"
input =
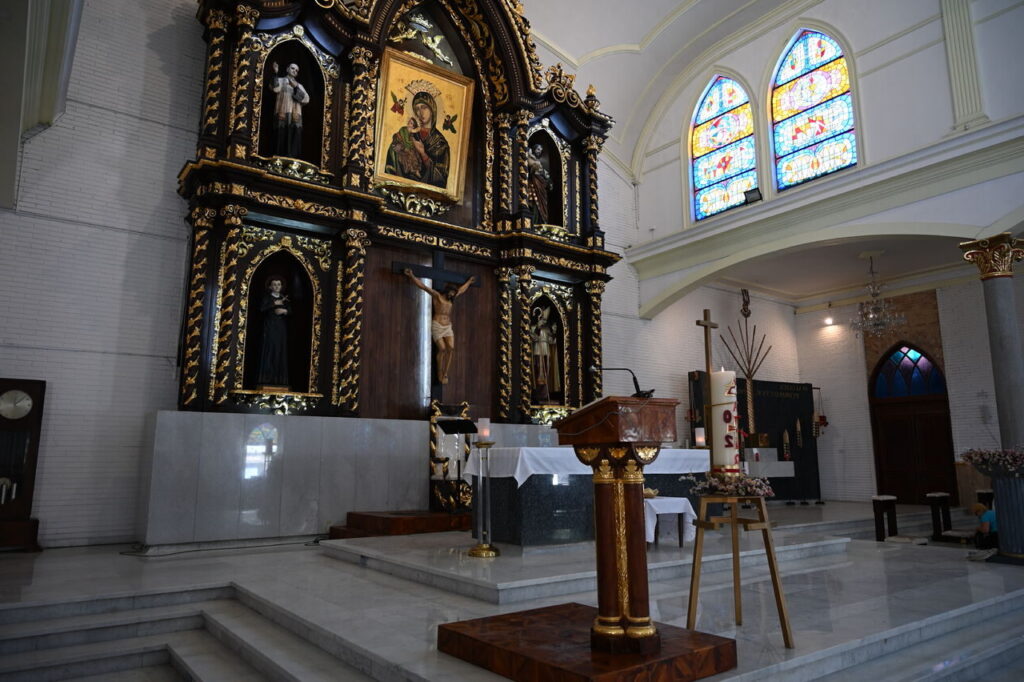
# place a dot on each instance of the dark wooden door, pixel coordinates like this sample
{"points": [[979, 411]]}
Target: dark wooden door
{"points": [[913, 448]]}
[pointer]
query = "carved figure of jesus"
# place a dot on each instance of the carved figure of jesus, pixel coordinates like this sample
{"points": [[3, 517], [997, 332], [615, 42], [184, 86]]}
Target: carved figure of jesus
{"points": [[441, 321]]}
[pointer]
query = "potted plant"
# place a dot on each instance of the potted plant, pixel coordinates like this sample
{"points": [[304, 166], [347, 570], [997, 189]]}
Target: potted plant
{"points": [[1006, 467]]}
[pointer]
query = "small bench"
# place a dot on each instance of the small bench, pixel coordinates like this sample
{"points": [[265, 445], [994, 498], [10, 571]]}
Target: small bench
{"points": [[884, 505], [941, 521]]}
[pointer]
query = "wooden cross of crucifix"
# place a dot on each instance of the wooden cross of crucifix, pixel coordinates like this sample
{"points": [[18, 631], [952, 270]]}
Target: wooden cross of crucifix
{"points": [[708, 326]]}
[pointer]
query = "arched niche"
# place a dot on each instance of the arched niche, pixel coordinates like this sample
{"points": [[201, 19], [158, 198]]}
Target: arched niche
{"points": [[299, 321], [549, 333], [547, 166], [311, 78]]}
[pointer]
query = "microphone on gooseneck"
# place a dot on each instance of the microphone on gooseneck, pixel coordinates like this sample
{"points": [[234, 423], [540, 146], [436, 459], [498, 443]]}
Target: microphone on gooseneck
{"points": [[594, 369]]}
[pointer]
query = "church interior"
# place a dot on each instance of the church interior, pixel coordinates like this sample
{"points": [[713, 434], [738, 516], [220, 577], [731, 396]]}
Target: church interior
{"points": [[491, 339]]}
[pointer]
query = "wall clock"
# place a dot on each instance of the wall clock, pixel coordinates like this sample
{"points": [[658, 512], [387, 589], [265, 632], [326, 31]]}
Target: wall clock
{"points": [[15, 404]]}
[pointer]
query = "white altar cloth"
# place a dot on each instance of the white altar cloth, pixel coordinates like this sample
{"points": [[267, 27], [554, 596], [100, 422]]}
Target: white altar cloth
{"points": [[669, 505], [521, 463]]}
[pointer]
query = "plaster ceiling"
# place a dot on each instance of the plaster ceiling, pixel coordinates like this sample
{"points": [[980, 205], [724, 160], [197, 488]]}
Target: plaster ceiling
{"points": [[837, 269], [633, 52]]}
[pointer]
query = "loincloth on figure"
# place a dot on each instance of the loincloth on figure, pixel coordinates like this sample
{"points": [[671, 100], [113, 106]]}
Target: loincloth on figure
{"points": [[438, 331]]}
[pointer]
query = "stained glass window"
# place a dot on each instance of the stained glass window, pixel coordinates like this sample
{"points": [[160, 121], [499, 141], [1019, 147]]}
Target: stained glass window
{"points": [[812, 111], [722, 148], [906, 373]]}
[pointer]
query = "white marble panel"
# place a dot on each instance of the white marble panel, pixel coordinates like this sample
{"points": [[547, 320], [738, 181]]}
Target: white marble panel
{"points": [[259, 499], [173, 478], [408, 454], [221, 468], [339, 452], [300, 486]]}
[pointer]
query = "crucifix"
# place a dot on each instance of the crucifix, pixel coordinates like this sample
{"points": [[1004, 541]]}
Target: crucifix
{"points": [[708, 326], [447, 286]]}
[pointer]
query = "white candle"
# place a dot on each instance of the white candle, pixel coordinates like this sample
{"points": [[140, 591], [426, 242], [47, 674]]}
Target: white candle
{"points": [[725, 451], [483, 427], [698, 436]]}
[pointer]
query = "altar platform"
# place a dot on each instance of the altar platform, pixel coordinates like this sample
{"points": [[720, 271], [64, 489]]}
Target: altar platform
{"points": [[872, 611]]}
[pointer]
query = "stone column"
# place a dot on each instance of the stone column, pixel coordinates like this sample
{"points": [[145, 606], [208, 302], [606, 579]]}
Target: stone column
{"points": [[995, 257]]}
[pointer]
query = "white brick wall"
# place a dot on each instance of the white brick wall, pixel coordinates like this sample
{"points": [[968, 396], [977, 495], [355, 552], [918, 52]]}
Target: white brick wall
{"points": [[832, 357], [95, 257]]}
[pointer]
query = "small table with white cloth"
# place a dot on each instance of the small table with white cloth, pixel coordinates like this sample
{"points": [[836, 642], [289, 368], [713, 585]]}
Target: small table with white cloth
{"points": [[680, 506], [544, 495]]}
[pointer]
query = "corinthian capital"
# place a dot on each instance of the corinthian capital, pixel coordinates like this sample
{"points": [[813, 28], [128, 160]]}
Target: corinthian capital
{"points": [[994, 256]]}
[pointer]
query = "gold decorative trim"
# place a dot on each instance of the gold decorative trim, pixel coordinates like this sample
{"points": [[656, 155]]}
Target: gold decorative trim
{"points": [[489, 64], [603, 473], [646, 455], [595, 288], [202, 221], [356, 242], [279, 403], [293, 168], [339, 292], [549, 414], [504, 276], [522, 122], [621, 557], [413, 202], [618, 453], [527, 48], [504, 122], [239, 122], [365, 67], [216, 22], [524, 276], [632, 474], [223, 319], [994, 256], [434, 240], [276, 200], [587, 454]]}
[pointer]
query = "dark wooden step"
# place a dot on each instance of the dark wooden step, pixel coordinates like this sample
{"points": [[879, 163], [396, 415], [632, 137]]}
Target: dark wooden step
{"points": [[406, 522]]}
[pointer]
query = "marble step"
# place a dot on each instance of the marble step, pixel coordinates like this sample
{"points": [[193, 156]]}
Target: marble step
{"points": [[85, 659], [893, 643], [20, 612], [560, 571], [275, 651], [152, 673], [49, 633], [968, 653], [915, 523]]}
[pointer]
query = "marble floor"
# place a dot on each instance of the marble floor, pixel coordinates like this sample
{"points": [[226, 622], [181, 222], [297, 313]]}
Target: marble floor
{"points": [[836, 601]]}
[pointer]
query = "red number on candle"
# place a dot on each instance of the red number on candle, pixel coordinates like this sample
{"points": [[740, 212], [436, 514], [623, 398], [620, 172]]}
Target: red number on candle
{"points": [[727, 416], [728, 441]]}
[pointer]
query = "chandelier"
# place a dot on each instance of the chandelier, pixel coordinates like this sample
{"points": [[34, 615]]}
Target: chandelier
{"points": [[875, 317]]}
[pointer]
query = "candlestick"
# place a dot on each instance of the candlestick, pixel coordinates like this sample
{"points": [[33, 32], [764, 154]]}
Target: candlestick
{"points": [[725, 443]]}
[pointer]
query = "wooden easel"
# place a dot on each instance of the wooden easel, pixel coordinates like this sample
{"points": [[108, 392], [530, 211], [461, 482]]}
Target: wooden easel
{"points": [[703, 522]]}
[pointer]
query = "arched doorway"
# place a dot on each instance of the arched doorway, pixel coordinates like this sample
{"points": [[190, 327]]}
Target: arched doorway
{"points": [[910, 421]]}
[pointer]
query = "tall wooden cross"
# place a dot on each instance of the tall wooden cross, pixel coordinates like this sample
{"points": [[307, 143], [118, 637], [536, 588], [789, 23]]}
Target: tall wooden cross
{"points": [[708, 326]]}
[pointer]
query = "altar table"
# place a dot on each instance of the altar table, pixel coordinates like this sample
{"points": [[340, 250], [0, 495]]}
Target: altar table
{"points": [[545, 496]]}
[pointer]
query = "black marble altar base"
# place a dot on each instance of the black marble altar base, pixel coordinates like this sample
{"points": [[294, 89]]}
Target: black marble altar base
{"points": [[541, 512]]}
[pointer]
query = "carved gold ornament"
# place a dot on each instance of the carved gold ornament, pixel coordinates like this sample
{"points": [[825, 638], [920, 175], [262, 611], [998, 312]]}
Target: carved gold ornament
{"points": [[994, 256]]}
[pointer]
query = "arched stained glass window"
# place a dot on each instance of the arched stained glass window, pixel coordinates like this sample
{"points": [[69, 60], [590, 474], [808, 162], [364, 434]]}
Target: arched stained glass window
{"points": [[722, 148], [812, 111], [908, 372]]}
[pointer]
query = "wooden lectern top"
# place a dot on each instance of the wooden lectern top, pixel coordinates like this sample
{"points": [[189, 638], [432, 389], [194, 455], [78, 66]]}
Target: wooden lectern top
{"points": [[620, 419]]}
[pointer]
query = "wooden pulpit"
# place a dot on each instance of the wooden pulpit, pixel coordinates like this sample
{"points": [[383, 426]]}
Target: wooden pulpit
{"points": [[617, 437]]}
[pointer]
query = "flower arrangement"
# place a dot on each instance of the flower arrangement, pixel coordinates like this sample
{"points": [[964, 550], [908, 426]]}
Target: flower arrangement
{"points": [[730, 485], [1004, 463]]}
